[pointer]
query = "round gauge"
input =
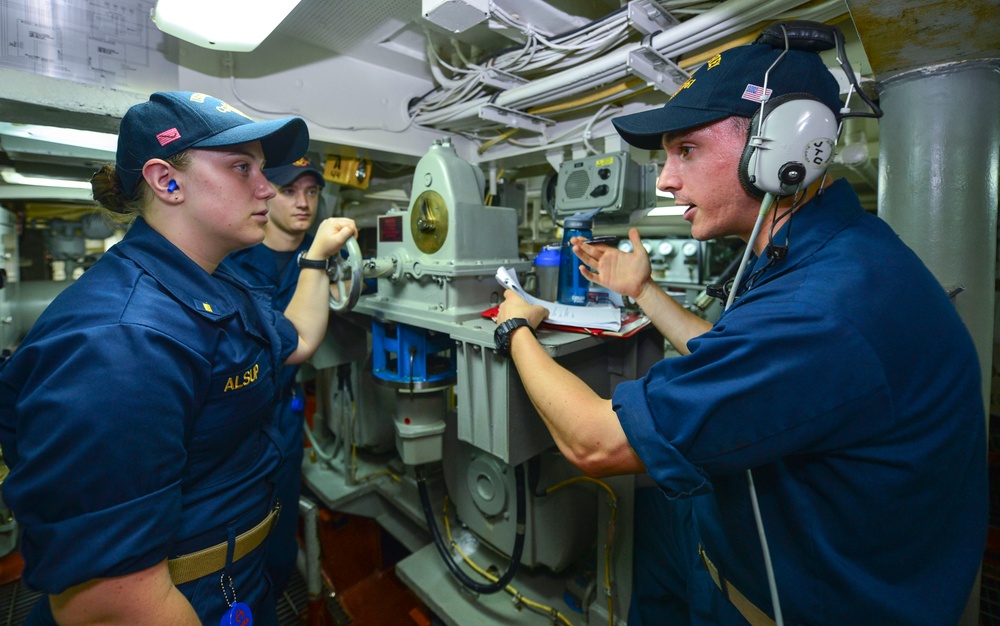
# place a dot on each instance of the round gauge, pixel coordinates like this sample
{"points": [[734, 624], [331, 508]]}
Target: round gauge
{"points": [[648, 246], [625, 246], [429, 222], [666, 248], [689, 249]]}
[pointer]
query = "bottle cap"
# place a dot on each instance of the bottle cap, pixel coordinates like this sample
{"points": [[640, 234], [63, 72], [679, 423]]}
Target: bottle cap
{"points": [[548, 256], [578, 222]]}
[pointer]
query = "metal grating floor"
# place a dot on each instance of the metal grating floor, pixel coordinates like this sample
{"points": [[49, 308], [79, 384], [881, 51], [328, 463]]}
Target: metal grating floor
{"points": [[293, 602], [16, 602]]}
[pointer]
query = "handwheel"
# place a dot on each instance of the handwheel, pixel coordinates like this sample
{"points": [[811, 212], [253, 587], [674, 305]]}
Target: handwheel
{"points": [[343, 271]]}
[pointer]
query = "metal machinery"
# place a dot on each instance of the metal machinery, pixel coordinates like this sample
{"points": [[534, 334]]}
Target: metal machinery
{"points": [[684, 267], [466, 435], [622, 190], [612, 183], [9, 274]]}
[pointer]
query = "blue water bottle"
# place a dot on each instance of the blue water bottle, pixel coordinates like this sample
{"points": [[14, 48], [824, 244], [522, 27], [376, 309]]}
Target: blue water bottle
{"points": [[573, 287]]}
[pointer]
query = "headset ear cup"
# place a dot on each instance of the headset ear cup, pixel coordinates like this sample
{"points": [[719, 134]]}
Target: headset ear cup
{"points": [[750, 168], [748, 150], [790, 147]]}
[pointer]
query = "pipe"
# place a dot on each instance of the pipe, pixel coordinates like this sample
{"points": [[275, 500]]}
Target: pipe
{"points": [[309, 560], [942, 200]]}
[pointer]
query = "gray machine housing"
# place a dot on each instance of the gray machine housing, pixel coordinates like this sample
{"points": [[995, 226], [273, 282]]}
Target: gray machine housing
{"points": [[611, 182], [457, 281]]}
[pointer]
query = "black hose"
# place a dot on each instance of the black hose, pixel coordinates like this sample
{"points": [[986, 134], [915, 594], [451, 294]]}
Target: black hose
{"points": [[515, 558]]}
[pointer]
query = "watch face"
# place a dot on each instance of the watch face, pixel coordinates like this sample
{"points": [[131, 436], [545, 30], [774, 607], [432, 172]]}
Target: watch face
{"points": [[500, 338]]}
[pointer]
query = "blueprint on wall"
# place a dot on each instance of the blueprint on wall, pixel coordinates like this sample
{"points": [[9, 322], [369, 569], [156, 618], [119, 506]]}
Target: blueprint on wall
{"points": [[111, 43]]}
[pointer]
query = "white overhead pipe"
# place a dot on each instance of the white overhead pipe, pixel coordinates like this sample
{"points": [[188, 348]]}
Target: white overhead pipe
{"points": [[725, 19]]}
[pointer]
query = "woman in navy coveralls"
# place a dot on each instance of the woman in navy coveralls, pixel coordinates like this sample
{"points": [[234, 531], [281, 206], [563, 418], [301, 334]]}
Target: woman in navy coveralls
{"points": [[137, 415]]}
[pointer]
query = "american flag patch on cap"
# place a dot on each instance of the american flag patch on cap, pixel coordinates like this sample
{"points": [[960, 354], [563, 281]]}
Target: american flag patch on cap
{"points": [[755, 93]]}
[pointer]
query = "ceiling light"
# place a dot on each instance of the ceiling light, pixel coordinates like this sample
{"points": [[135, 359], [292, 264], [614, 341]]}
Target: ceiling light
{"points": [[231, 25], [11, 177], [66, 136]]}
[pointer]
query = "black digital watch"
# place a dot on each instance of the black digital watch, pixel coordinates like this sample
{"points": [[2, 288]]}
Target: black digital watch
{"points": [[501, 336]]}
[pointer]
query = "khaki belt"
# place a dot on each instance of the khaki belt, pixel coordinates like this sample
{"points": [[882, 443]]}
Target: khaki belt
{"points": [[212, 559], [747, 609]]}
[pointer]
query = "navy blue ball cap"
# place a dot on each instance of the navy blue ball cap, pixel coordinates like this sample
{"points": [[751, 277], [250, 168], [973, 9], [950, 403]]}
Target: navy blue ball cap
{"points": [[288, 174], [174, 121], [732, 83]]}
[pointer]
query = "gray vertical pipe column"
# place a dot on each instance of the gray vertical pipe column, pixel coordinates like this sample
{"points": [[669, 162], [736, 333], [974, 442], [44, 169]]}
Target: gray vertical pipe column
{"points": [[938, 166]]}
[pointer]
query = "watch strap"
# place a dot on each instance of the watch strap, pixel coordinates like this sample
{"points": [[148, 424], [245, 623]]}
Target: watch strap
{"points": [[503, 332], [311, 264]]}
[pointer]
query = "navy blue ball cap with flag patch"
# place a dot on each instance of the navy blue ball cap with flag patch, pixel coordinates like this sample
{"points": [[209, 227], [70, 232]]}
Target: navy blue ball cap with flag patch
{"points": [[288, 174], [174, 121], [732, 83]]}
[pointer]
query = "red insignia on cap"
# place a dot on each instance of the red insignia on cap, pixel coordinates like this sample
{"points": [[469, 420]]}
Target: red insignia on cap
{"points": [[168, 135]]}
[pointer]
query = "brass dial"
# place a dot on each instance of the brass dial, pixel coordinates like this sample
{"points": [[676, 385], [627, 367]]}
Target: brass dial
{"points": [[429, 222]]}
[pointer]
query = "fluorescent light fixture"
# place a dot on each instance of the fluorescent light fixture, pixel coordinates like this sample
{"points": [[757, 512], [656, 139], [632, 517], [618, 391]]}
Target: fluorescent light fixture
{"points": [[669, 210], [231, 25], [64, 136], [11, 177]]}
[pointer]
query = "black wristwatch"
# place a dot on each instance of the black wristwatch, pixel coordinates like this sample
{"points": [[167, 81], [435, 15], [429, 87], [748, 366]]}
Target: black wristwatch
{"points": [[310, 264], [501, 336]]}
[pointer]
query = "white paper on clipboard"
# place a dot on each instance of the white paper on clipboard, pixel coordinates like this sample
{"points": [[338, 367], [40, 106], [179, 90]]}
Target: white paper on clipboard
{"points": [[602, 316]]}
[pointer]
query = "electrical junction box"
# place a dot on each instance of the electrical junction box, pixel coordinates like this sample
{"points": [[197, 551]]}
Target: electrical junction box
{"points": [[456, 15], [348, 171], [611, 182]]}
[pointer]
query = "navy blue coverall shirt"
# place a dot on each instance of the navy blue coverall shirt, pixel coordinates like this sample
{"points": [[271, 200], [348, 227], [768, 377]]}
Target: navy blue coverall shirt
{"points": [[137, 419], [256, 265], [846, 380]]}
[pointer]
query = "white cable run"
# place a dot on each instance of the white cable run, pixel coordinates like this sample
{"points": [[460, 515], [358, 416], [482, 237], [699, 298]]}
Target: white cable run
{"points": [[713, 25]]}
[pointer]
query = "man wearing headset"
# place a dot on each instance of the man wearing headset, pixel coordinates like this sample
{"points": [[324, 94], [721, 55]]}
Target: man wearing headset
{"points": [[841, 377]]}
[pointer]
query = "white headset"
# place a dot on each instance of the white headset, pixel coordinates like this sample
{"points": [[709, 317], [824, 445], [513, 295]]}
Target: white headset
{"points": [[789, 145]]}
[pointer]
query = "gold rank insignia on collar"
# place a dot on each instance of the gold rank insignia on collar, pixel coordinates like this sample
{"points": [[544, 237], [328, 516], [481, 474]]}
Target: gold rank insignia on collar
{"points": [[205, 307]]}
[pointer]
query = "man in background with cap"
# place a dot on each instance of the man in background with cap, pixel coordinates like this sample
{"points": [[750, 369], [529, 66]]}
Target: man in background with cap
{"points": [[274, 263], [841, 377]]}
